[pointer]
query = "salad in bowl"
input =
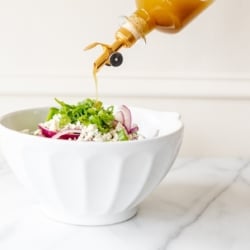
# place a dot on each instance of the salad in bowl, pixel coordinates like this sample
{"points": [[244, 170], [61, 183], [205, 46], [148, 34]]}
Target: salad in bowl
{"points": [[88, 120]]}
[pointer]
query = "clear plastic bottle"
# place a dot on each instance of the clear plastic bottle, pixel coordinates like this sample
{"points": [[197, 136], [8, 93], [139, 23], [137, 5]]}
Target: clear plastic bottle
{"points": [[168, 16]]}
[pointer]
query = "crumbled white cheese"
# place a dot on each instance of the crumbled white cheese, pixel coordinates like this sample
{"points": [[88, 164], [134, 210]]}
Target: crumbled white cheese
{"points": [[87, 133], [53, 124]]}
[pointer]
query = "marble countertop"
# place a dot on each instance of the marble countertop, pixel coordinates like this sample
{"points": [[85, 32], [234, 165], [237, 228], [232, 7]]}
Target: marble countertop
{"points": [[202, 204]]}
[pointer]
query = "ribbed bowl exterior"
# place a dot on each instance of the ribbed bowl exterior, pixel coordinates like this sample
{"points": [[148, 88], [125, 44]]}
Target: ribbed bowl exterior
{"points": [[89, 183]]}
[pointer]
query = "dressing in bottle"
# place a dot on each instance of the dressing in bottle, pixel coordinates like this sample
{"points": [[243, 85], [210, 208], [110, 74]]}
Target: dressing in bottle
{"points": [[169, 16]]}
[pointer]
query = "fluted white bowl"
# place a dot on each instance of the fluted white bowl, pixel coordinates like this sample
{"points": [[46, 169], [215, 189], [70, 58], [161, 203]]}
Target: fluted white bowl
{"points": [[90, 183]]}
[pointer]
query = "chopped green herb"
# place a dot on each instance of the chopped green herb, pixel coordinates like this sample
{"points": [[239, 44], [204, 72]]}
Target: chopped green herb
{"points": [[52, 112], [122, 135], [86, 112]]}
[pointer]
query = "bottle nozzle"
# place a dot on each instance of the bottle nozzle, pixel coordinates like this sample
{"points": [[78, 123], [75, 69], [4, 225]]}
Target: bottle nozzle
{"points": [[109, 57], [115, 59]]}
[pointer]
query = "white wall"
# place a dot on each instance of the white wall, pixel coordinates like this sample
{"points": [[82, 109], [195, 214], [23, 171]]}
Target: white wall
{"points": [[202, 72]]}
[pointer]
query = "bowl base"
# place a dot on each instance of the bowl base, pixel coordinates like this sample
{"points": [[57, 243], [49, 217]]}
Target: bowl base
{"points": [[92, 220]]}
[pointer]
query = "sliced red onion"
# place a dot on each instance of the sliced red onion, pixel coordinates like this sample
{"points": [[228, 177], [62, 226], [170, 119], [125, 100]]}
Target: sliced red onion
{"points": [[127, 117], [134, 128], [72, 134], [65, 134], [119, 116], [46, 132]]}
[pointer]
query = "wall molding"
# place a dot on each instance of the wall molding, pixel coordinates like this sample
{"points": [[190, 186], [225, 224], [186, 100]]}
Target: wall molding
{"points": [[173, 86]]}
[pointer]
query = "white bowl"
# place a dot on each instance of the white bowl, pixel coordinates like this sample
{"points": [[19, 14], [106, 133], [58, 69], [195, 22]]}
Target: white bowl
{"points": [[90, 183]]}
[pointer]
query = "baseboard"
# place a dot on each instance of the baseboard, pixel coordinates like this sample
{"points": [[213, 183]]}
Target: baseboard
{"points": [[220, 86]]}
